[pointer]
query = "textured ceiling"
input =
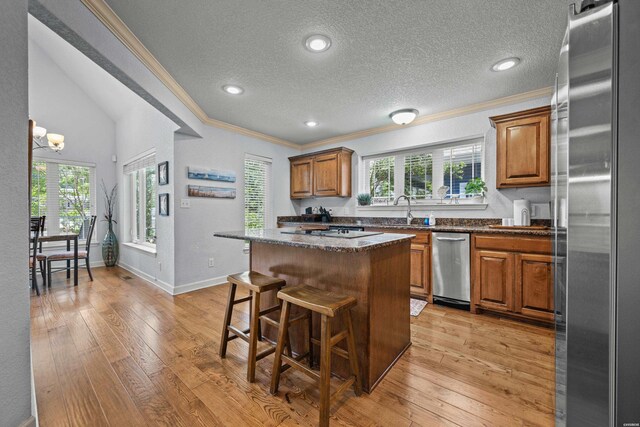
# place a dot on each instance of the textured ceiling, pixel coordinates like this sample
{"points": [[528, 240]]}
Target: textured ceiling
{"points": [[431, 55]]}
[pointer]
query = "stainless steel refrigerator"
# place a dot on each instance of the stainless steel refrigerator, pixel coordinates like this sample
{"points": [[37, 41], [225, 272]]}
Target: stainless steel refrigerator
{"points": [[596, 170]]}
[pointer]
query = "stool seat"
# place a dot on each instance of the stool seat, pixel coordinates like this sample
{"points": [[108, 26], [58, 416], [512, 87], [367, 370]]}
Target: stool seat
{"points": [[256, 282], [316, 300]]}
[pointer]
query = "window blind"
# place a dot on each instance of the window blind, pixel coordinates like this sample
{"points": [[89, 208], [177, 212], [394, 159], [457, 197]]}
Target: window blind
{"points": [[461, 164], [257, 192], [144, 162], [418, 175], [381, 175], [65, 193]]}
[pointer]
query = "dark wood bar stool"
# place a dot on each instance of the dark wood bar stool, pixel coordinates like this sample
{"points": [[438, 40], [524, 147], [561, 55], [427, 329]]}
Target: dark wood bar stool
{"points": [[255, 283], [327, 305]]}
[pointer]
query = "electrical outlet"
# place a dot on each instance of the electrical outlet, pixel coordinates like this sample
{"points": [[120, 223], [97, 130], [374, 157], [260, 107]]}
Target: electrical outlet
{"points": [[211, 264], [185, 203]]}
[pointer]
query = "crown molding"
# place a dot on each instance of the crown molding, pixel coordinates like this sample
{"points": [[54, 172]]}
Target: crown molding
{"points": [[112, 21], [456, 112]]}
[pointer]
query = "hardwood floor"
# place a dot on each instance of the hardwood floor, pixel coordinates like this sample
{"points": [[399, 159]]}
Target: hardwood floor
{"points": [[118, 351]]}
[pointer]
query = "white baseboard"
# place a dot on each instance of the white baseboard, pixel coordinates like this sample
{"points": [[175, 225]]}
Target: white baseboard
{"points": [[141, 274], [29, 422], [194, 286], [174, 290]]}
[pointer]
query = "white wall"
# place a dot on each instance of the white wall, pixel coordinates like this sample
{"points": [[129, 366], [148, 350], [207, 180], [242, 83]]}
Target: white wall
{"points": [[61, 106], [15, 381], [144, 128], [467, 126], [195, 226]]}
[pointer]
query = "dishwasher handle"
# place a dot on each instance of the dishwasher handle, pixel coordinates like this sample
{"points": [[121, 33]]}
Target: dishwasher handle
{"points": [[451, 239]]}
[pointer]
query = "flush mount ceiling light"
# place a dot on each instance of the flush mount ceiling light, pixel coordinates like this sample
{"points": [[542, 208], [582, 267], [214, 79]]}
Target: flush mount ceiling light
{"points": [[311, 123], [404, 117], [505, 64], [317, 43], [232, 89]]}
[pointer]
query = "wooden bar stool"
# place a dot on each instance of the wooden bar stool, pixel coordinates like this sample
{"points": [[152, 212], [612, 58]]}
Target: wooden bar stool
{"points": [[256, 283], [327, 305]]}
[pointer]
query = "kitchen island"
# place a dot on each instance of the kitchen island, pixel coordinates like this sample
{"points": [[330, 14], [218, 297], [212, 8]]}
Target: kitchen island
{"points": [[374, 269]]}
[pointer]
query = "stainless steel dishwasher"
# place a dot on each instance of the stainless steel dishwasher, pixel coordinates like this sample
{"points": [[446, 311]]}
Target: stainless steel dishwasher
{"points": [[451, 268]]}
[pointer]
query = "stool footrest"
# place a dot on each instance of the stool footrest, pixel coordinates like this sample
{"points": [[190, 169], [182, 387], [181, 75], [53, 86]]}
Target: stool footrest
{"points": [[265, 353], [269, 310], [241, 300], [337, 350], [299, 366], [238, 333], [338, 337], [344, 386]]}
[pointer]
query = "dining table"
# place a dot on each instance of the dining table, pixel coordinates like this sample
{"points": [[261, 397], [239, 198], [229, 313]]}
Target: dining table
{"points": [[68, 237]]}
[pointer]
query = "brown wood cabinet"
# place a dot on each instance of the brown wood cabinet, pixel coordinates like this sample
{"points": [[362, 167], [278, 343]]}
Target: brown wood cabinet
{"points": [[493, 284], [534, 286], [322, 174], [513, 275], [301, 178], [523, 148]]}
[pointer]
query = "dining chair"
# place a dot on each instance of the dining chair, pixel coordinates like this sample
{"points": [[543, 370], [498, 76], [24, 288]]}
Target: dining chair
{"points": [[34, 235], [42, 258], [68, 255]]}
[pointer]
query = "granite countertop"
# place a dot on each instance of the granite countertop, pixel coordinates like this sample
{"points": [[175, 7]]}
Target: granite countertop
{"points": [[333, 244], [460, 226]]}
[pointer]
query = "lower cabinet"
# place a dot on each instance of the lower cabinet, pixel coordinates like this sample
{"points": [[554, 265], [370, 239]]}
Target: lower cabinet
{"points": [[513, 275], [420, 270], [534, 286], [493, 284]]}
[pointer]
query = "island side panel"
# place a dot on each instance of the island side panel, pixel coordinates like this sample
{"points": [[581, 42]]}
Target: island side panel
{"points": [[348, 273], [389, 311]]}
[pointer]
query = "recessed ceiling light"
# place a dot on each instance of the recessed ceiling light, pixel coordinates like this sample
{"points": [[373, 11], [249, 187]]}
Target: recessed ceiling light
{"points": [[505, 64], [317, 43], [232, 89], [404, 116], [311, 123]]}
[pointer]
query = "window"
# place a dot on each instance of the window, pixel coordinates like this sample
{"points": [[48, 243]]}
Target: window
{"points": [[141, 176], [65, 193], [461, 165], [381, 173], [257, 192], [419, 173]]}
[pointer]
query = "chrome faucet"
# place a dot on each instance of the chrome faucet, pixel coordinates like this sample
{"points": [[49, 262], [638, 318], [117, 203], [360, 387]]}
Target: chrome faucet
{"points": [[409, 216]]}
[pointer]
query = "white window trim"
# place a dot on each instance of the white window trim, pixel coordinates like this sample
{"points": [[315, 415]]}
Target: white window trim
{"points": [[133, 238], [437, 174]]}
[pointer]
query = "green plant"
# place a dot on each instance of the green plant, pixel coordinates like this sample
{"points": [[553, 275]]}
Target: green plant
{"points": [[364, 199], [476, 186]]}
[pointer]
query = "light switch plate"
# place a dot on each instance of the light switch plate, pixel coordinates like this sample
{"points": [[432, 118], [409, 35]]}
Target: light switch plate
{"points": [[185, 203]]}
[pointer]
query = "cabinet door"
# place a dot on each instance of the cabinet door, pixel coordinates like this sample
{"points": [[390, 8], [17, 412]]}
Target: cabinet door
{"points": [[420, 270], [493, 280], [301, 178], [326, 170], [534, 286], [522, 149]]}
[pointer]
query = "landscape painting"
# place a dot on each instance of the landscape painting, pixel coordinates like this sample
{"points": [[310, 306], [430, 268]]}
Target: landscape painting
{"points": [[211, 192], [211, 174]]}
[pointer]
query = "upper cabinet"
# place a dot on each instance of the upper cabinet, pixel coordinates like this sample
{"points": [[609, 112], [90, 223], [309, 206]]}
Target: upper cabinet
{"points": [[523, 148], [322, 174]]}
